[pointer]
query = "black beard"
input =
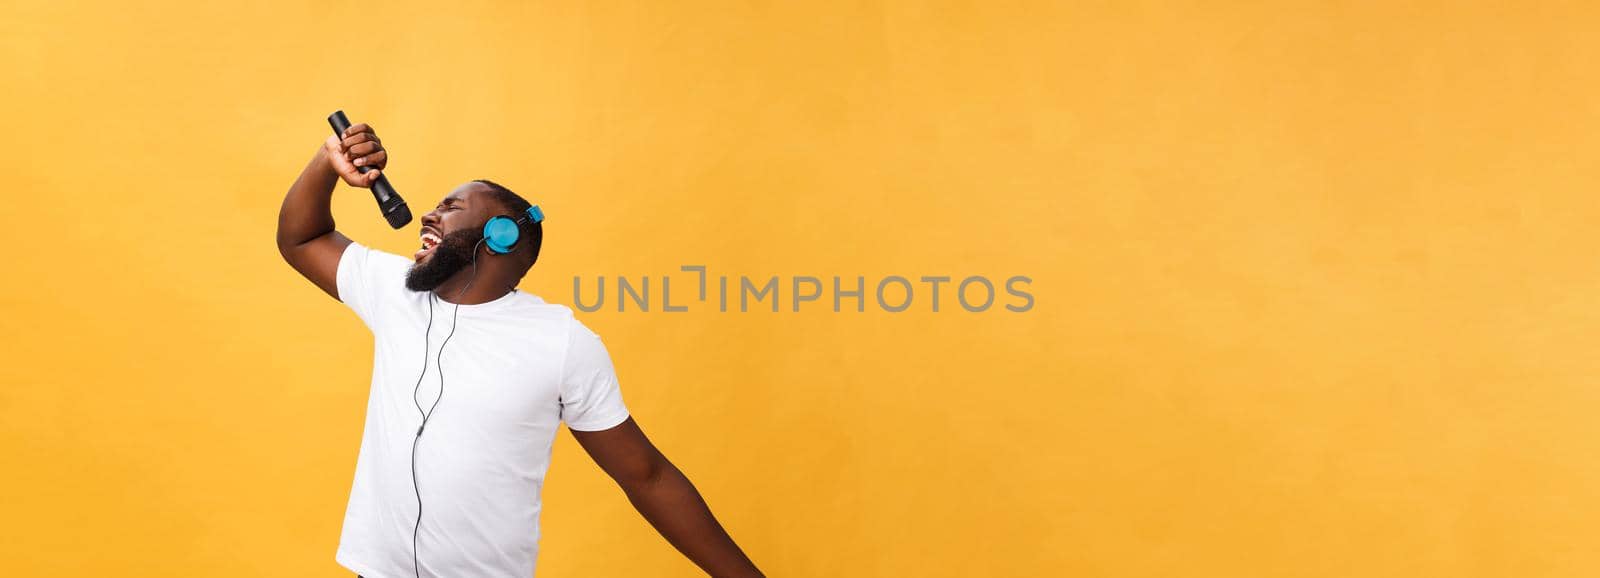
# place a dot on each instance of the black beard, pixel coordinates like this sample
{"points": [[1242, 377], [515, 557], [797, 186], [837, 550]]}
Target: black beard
{"points": [[453, 253]]}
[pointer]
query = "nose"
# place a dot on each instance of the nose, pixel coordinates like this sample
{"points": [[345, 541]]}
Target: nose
{"points": [[431, 219]]}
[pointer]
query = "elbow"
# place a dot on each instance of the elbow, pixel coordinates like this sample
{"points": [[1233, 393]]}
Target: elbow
{"points": [[285, 244], [650, 475], [290, 246], [281, 235], [286, 249]]}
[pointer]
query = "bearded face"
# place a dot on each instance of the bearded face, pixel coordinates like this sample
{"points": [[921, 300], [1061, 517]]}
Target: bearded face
{"points": [[443, 260]]}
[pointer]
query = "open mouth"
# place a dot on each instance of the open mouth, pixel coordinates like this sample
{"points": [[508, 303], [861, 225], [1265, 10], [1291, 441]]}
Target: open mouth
{"points": [[430, 241]]}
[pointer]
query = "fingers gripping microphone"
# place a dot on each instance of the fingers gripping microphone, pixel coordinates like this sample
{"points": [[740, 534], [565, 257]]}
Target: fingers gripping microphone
{"points": [[389, 203]]}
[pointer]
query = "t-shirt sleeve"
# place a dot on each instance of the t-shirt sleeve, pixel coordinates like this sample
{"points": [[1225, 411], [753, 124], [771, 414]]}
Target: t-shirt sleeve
{"points": [[364, 277], [590, 397]]}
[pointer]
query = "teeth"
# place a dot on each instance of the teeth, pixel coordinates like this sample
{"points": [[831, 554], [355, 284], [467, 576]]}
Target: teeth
{"points": [[429, 240]]}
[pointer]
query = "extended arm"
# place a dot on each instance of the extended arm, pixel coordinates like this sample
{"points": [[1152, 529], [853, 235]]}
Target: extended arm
{"points": [[306, 237], [664, 496]]}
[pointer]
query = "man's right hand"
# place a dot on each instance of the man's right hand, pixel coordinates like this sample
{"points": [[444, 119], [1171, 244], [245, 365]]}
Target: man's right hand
{"points": [[306, 235], [357, 147]]}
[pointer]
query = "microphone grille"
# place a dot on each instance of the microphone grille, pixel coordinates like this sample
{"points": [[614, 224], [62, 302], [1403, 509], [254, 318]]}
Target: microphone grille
{"points": [[398, 216]]}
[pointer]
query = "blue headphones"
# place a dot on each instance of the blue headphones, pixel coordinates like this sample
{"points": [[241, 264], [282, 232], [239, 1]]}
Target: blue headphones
{"points": [[501, 233]]}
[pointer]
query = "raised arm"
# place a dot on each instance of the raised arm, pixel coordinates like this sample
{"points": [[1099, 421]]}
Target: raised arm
{"points": [[660, 492], [306, 237]]}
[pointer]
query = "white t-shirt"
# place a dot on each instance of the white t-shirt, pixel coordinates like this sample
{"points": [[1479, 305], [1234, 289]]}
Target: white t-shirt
{"points": [[514, 368]]}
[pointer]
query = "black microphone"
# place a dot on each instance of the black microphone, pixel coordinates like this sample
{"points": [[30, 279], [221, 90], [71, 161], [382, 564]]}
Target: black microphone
{"points": [[389, 203]]}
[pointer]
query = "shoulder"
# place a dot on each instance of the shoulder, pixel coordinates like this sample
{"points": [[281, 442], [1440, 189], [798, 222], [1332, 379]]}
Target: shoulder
{"points": [[389, 261], [553, 317], [559, 320], [579, 346], [372, 260]]}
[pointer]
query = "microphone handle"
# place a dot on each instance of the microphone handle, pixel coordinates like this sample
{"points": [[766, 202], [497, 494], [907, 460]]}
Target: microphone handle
{"points": [[394, 208]]}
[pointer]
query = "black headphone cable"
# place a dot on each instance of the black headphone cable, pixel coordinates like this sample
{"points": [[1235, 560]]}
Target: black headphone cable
{"points": [[416, 528]]}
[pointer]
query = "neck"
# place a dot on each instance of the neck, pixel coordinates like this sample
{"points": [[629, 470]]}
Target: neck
{"points": [[461, 289]]}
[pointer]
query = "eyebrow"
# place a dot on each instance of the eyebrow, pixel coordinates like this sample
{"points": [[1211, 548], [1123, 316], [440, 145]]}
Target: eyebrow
{"points": [[449, 200]]}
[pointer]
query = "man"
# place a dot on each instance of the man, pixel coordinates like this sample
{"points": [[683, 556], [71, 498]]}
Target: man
{"points": [[469, 381]]}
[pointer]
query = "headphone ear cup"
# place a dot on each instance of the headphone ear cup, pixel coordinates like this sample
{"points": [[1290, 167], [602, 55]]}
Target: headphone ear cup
{"points": [[500, 234]]}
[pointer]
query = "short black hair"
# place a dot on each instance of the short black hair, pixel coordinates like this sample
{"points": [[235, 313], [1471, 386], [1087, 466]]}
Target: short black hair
{"points": [[532, 233]]}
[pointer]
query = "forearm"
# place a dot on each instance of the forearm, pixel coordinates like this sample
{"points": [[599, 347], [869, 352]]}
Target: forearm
{"points": [[307, 211], [672, 505]]}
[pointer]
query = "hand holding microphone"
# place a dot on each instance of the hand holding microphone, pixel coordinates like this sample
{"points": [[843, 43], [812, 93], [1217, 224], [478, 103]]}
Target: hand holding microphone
{"points": [[359, 158]]}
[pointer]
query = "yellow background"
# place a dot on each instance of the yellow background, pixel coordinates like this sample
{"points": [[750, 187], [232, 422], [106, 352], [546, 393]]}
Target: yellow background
{"points": [[1316, 284]]}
